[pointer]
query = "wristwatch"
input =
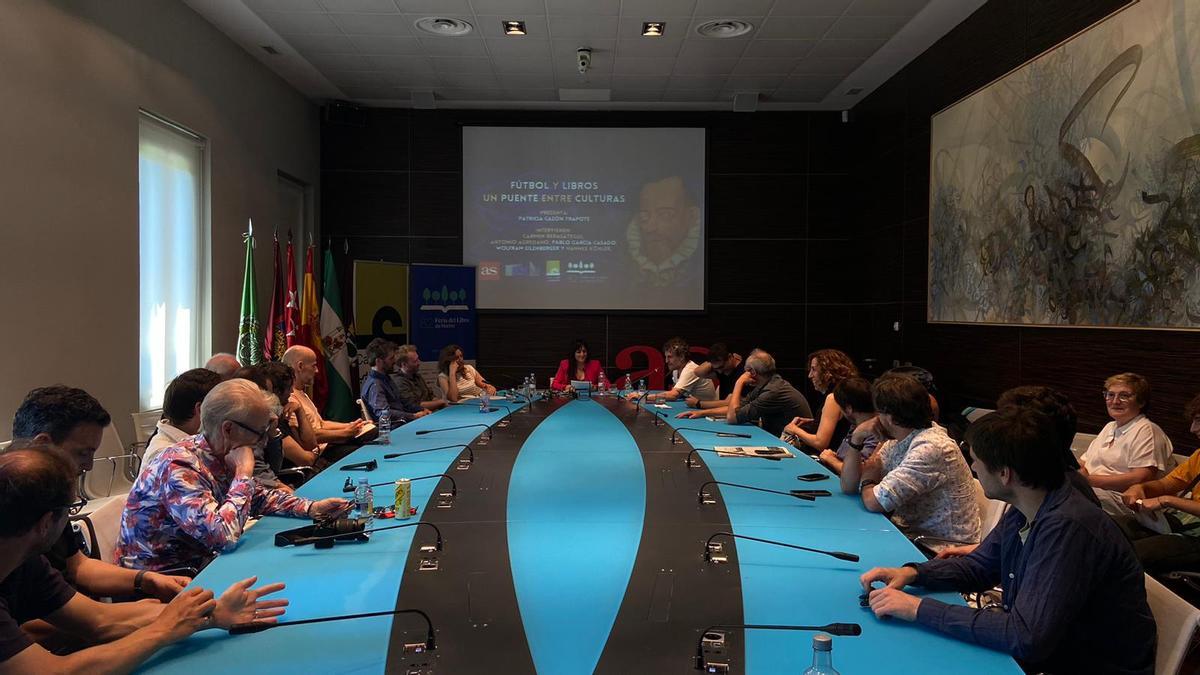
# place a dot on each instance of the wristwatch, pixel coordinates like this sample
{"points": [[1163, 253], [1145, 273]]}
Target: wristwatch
{"points": [[856, 446], [866, 483], [137, 581]]}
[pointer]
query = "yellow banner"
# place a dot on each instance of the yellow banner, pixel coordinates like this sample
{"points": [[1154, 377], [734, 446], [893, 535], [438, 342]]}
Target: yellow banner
{"points": [[380, 301]]}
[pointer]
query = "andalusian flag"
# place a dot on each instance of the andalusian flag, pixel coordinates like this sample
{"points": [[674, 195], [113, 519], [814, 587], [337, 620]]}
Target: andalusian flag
{"points": [[337, 359], [309, 333], [249, 346]]}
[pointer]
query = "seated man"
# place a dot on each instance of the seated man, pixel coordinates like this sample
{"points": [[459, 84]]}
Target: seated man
{"points": [[39, 492], [727, 367], [853, 397], [414, 390], [919, 476], [379, 393], [223, 364], [194, 499], [334, 439], [773, 402], [677, 354], [1074, 594], [71, 421], [181, 410]]}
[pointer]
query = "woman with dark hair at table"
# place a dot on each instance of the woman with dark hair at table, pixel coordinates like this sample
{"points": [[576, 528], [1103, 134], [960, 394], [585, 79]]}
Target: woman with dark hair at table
{"points": [[826, 368], [458, 378], [576, 367]]}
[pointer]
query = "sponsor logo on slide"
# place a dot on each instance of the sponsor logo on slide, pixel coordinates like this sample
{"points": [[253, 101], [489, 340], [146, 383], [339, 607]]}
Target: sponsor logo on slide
{"points": [[489, 271], [521, 270], [581, 268], [444, 300], [552, 268]]}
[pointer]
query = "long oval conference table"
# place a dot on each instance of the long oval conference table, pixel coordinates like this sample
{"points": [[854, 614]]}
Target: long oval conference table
{"points": [[575, 543]]}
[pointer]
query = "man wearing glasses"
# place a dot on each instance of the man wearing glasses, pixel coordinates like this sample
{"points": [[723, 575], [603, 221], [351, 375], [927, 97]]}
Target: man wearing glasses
{"points": [[194, 499]]}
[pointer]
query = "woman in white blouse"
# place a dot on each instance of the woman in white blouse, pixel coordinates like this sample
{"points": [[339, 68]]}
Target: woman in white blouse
{"points": [[457, 378]]}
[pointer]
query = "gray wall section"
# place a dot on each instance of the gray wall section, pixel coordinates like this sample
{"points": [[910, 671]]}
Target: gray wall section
{"points": [[72, 78]]}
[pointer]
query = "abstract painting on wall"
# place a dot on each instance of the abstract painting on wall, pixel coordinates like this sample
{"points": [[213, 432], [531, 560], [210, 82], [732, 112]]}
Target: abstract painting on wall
{"points": [[1067, 193]]}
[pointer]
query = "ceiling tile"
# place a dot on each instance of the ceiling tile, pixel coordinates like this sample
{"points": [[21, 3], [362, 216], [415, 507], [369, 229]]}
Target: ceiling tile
{"points": [[697, 81], [395, 62], [452, 64], [812, 82], [796, 27], [320, 44], [434, 7], [453, 46], [648, 47], [643, 66], [355, 78], [564, 50], [593, 81], [422, 79], [692, 95], [810, 7], [764, 66], [501, 48], [469, 81], [866, 27], [469, 94], [799, 96], [583, 27], [675, 29], [753, 82], [818, 66], [492, 26], [300, 23], [708, 48], [368, 6], [778, 48], [515, 9], [705, 66], [645, 11], [394, 25], [376, 93], [527, 81], [846, 48], [583, 7], [524, 64], [731, 7], [885, 7], [284, 5], [379, 44], [340, 62], [531, 94], [636, 95], [640, 81]]}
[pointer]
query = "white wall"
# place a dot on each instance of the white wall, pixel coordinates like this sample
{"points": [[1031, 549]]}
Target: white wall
{"points": [[73, 75]]}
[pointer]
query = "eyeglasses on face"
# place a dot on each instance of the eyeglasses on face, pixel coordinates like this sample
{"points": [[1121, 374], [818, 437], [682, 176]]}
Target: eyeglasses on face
{"points": [[259, 435], [1122, 396]]}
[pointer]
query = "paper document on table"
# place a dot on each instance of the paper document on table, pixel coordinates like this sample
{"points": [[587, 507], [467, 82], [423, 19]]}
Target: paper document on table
{"points": [[661, 405], [774, 451]]}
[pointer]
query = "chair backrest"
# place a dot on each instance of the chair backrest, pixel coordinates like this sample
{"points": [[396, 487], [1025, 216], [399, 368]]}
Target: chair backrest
{"points": [[4, 445], [1177, 622], [1081, 442], [144, 423], [990, 511], [102, 528], [107, 476], [973, 414]]}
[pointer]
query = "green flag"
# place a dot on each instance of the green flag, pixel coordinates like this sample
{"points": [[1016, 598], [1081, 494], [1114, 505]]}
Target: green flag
{"points": [[340, 404], [249, 345]]}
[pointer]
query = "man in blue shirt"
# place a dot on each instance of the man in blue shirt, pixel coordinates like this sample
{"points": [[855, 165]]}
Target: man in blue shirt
{"points": [[1074, 594], [379, 393]]}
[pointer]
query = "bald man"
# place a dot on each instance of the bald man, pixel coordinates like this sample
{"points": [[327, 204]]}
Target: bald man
{"points": [[223, 364], [194, 499], [304, 362]]}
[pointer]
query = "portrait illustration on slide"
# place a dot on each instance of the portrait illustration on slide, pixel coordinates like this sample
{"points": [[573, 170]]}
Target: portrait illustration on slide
{"points": [[664, 234]]}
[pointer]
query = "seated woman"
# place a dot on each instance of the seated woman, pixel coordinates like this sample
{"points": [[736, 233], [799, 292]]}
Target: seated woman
{"points": [[826, 368], [1128, 450], [577, 368], [853, 396], [458, 379]]}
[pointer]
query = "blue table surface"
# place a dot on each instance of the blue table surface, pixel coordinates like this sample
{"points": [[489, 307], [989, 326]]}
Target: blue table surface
{"points": [[572, 550]]}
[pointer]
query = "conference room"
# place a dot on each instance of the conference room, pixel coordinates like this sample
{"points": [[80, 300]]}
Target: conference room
{"points": [[600, 336]]}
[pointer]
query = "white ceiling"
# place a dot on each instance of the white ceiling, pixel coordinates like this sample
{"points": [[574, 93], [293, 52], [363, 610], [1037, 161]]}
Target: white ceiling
{"points": [[802, 54]]}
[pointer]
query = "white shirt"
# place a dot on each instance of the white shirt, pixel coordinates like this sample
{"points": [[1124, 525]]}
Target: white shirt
{"points": [[690, 385], [166, 436], [313, 415], [465, 380], [1120, 449]]}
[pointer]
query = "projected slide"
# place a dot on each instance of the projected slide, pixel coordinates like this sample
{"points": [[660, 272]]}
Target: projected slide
{"points": [[585, 218]]}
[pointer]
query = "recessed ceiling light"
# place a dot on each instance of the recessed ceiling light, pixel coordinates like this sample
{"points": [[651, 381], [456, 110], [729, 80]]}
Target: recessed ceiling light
{"points": [[513, 27], [443, 26], [724, 28], [653, 29]]}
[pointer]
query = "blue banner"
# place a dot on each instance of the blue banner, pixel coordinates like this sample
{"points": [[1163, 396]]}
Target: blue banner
{"points": [[442, 308]]}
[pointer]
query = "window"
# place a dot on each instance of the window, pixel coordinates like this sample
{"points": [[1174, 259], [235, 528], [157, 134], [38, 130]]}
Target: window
{"points": [[173, 315]]}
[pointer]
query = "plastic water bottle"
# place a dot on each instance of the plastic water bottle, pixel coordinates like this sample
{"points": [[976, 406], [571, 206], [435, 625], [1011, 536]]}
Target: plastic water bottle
{"points": [[364, 499], [485, 401], [822, 663], [641, 387], [385, 426], [603, 384], [628, 383]]}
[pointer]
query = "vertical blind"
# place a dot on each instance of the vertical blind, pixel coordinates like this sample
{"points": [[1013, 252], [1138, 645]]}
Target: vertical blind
{"points": [[173, 255]]}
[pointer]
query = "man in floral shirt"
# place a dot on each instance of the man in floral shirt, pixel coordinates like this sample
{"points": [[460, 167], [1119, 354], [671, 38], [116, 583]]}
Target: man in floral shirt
{"points": [[195, 497]]}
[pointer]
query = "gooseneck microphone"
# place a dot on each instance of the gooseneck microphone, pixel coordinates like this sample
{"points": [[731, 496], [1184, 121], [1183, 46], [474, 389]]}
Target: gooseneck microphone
{"points": [[709, 634], [490, 405], [258, 627], [470, 452], [840, 555], [424, 432], [352, 530], [349, 486], [676, 439], [798, 494]]}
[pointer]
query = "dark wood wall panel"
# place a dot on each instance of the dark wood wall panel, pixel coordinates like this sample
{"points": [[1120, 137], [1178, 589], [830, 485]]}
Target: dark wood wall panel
{"points": [[974, 364]]}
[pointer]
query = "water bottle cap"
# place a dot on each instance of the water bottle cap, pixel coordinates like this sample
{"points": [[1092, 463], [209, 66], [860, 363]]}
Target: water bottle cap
{"points": [[822, 643], [362, 481]]}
